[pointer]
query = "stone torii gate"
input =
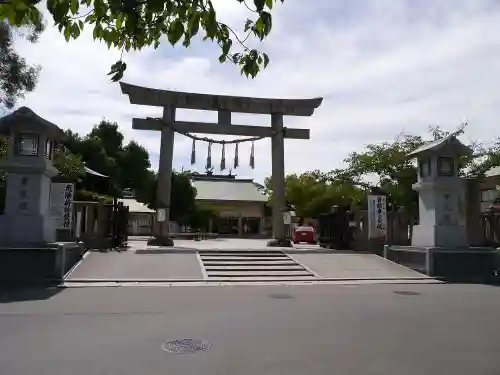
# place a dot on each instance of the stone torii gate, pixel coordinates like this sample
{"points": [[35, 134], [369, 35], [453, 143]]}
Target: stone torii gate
{"points": [[224, 105]]}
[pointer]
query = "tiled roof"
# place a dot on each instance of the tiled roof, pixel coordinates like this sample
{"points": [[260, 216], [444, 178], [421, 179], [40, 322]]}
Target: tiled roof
{"points": [[24, 115], [218, 189], [134, 206], [437, 144]]}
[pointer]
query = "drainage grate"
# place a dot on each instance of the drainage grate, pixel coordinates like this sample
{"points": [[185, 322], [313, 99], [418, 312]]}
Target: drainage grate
{"points": [[186, 346], [280, 296], [406, 293]]}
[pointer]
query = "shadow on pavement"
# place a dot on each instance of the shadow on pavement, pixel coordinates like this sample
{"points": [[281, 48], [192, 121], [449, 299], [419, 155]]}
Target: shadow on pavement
{"points": [[8, 295]]}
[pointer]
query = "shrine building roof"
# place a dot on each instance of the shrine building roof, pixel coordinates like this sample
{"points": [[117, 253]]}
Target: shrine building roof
{"points": [[226, 189]]}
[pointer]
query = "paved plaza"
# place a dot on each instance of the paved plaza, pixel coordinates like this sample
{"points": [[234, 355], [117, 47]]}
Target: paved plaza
{"points": [[225, 260], [354, 266], [130, 264]]}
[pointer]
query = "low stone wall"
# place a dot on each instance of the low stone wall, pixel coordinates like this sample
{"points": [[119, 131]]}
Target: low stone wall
{"points": [[473, 264], [42, 265], [414, 258]]}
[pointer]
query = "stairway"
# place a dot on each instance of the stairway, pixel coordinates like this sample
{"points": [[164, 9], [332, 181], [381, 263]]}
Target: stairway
{"points": [[252, 265]]}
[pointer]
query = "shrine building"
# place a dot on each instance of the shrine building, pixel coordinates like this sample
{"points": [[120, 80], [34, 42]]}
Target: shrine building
{"points": [[239, 202]]}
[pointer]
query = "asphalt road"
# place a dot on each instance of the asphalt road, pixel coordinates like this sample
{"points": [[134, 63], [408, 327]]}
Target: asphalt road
{"points": [[321, 329]]}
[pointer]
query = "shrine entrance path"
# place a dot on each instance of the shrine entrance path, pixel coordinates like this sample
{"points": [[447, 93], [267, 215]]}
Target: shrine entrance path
{"points": [[227, 260]]}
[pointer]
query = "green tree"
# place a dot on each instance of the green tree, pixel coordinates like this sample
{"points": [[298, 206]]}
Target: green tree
{"points": [[147, 193], [486, 159], [313, 193], [128, 165], [135, 24], [390, 164], [3, 155], [110, 136], [133, 168], [93, 155], [128, 168], [3, 147], [16, 76], [200, 216], [182, 197], [396, 172], [69, 165], [72, 141]]}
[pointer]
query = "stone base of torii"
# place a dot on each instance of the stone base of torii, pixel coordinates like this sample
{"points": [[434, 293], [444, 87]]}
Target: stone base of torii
{"points": [[224, 105]]}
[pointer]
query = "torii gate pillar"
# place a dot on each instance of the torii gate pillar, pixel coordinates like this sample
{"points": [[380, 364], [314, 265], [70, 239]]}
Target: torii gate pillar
{"points": [[225, 105], [278, 182], [164, 182]]}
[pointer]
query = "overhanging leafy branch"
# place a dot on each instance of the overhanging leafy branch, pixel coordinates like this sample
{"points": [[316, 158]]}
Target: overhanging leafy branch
{"points": [[136, 24]]}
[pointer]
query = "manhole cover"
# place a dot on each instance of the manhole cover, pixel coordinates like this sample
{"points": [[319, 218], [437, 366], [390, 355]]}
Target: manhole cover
{"points": [[281, 296], [185, 346], [406, 293]]}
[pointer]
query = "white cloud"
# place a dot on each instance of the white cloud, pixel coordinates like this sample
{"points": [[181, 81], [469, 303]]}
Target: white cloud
{"points": [[382, 66]]}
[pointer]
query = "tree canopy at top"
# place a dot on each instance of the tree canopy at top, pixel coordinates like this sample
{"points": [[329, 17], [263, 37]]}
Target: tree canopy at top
{"points": [[135, 24], [16, 76]]}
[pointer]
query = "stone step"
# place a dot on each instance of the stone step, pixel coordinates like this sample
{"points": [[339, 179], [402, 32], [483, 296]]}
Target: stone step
{"points": [[239, 251], [241, 254], [285, 262], [266, 273], [265, 278], [241, 258], [254, 268]]}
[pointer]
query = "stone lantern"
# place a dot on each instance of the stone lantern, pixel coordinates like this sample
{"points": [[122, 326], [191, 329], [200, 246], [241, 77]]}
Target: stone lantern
{"points": [[442, 217], [29, 166], [439, 244]]}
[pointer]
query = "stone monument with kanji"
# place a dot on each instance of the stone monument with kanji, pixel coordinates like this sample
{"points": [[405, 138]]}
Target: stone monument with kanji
{"points": [[29, 167]]}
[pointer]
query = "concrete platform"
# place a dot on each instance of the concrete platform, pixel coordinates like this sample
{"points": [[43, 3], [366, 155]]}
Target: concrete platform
{"points": [[228, 261], [351, 266], [129, 265]]}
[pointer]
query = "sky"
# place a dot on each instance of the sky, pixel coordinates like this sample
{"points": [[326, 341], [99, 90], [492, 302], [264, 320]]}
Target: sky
{"points": [[383, 67]]}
